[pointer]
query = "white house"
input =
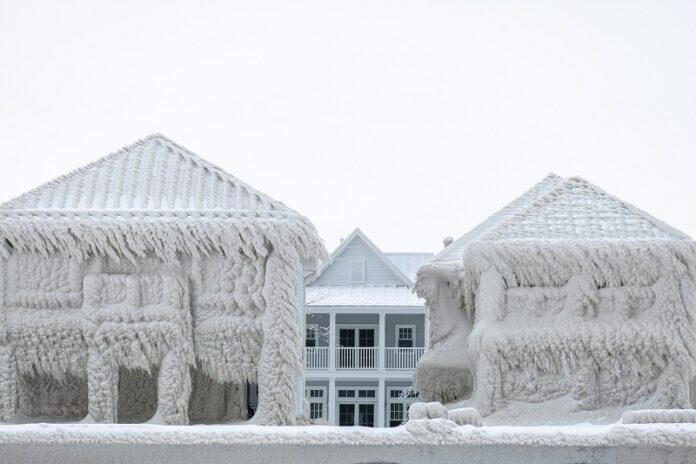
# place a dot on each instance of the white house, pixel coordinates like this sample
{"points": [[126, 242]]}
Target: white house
{"points": [[365, 331], [566, 292], [152, 285]]}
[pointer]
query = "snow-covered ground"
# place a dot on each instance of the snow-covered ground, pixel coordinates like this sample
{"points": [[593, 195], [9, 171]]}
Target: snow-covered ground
{"points": [[559, 411], [430, 441]]}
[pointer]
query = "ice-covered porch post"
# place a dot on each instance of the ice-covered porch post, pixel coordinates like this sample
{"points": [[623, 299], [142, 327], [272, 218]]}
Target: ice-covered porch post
{"points": [[8, 371], [280, 365]]}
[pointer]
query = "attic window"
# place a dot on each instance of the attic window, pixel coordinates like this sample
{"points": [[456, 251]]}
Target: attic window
{"points": [[357, 272]]}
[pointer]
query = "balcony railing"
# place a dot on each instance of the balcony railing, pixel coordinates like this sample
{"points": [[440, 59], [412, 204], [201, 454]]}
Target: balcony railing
{"points": [[356, 358], [316, 358], [402, 358], [363, 358]]}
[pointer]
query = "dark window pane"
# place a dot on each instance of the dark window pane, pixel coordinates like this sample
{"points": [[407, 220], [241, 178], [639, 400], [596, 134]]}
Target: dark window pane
{"points": [[346, 337], [366, 415], [367, 337], [346, 414]]}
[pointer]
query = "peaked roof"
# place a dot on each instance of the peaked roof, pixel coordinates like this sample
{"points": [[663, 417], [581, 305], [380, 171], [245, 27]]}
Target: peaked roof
{"points": [[153, 196], [152, 174], [361, 295], [563, 209], [357, 233], [409, 263]]}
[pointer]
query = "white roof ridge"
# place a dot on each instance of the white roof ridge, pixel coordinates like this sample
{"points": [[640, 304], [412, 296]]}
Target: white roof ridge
{"points": [[548, 196], [495, 218], [33, 196]]}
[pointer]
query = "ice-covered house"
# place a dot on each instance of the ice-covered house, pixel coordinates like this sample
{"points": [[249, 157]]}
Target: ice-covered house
{"points": [[151, 284], [365, 331], [567, 291]]}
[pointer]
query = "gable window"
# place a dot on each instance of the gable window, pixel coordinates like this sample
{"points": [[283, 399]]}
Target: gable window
{"points": [[357, 272], [405, 336], [311, 335]]}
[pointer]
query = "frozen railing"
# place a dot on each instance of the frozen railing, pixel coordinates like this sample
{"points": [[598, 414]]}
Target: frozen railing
{"points": [[356, 358], [402, 358], [316, 358]]}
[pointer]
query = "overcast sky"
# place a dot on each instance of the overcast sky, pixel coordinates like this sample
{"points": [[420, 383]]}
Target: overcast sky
{"points": [[412, 120]]}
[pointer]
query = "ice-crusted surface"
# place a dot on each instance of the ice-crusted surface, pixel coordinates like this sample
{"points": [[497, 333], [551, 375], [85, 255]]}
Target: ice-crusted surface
{"points": [[657, 416], [433, 432], [566, 293], [150, 261]]}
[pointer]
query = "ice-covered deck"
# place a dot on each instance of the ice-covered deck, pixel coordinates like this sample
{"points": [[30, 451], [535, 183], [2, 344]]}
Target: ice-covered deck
{"points": [[419, 441]]}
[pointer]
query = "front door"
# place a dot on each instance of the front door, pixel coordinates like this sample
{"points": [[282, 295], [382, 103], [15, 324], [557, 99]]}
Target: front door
{"points": [[346, 414], [350, 414]]}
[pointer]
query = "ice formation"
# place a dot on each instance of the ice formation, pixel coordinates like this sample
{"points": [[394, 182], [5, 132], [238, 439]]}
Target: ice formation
{"points": [[151, 285], [567, 291]]}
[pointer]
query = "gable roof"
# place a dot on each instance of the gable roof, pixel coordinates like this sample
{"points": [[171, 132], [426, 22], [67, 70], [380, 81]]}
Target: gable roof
{"points": [[153, 196], [358, 234], [361, 295], [409, 263], [563, 209], [153, 174]]}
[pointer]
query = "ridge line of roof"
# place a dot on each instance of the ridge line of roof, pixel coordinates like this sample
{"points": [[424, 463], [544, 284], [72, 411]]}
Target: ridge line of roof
{"points": [[179, 151]]}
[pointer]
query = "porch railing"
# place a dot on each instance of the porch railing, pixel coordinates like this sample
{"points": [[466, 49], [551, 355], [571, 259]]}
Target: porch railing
{"points": [[316, 358], [356, 358], [362, 358], [402, 358]]}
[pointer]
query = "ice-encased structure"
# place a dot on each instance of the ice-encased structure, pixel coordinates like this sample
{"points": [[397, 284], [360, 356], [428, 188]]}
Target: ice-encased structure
{"points": [[151, 284], [565, 291]]}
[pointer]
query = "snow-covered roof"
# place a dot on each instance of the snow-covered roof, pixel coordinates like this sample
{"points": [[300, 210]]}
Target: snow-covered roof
{"points": [[361, 295], [559, 228], [409, 263], [153, 175], [152, 196], [563, 209]]}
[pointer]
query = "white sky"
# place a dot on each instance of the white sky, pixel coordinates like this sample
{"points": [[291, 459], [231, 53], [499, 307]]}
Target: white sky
{"points": [[410, 119]]}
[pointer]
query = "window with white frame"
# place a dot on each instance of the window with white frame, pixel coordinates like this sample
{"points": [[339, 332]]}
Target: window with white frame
{"points": [[405, 336], [357, 272], [311, 335], [356, 406], [316, 397], [399, 399]]}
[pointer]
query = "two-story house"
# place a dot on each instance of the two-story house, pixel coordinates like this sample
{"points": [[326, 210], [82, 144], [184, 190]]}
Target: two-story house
{"points": [[365, 332]]}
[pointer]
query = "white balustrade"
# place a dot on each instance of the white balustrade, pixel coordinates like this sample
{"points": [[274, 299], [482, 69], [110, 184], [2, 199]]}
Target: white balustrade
{"points": [[356, 358], [316, 357], [363, 358], [402, 358]]}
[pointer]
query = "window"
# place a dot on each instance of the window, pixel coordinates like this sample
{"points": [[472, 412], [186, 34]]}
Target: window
{"points": [[399, 399], [405, 336], [316, 396], [357, 406], [316, 410], [357, 272], [366, 393], [396, 414], [311, 335]]}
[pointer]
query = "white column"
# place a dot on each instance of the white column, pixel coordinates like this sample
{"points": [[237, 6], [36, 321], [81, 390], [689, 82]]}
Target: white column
{"points": [[381, 404], [332, 341], [381, 353], [332, 401]]}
